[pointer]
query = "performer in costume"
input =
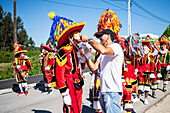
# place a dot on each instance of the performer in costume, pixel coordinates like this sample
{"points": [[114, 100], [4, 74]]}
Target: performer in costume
{"points": [[69, 64], [157, 67], [132, 50], [48, 67], [96, 98], [164, 60], [145, 71], [21, 65]]}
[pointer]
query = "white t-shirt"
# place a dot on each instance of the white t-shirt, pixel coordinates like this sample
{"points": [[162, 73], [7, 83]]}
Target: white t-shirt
{"points": [[111, 70]]}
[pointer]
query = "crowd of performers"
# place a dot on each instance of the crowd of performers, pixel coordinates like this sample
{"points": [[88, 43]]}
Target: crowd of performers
{"points": [[145, 62]]}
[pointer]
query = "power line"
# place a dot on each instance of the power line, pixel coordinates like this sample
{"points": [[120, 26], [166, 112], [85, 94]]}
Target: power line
{"points": [[151, 14], [134, 12], [74, 5]]}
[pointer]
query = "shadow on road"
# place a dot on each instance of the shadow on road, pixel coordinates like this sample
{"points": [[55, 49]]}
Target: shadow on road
{"points": [[15, 88], [40, 86], [87, 109], [40, 111]]}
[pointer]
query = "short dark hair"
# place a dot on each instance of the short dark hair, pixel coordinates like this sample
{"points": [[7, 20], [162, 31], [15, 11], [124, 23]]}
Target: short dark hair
{"points": [[105, 31]]}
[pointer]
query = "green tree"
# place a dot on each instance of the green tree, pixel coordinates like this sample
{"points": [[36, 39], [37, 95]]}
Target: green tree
{"points": [[30, 42], [7, 28], [167, 31], [19, 23], [22, 36]]}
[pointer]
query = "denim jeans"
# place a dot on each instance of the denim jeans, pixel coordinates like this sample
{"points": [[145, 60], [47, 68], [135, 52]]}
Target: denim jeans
{"points": [[110, 102]]}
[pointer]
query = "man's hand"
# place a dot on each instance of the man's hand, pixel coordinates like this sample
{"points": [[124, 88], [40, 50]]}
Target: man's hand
{"points": [[84, 38]]}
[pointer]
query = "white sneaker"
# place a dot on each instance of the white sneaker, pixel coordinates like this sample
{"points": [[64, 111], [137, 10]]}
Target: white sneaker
{"points": [[146, 101], [137, 99]]}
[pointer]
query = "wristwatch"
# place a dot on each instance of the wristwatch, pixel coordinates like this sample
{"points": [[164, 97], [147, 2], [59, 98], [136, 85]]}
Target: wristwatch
{"points": [[89, 40]]}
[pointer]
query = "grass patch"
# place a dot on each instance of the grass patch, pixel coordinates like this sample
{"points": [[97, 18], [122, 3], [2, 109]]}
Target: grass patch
{"points": [[6, 70]]}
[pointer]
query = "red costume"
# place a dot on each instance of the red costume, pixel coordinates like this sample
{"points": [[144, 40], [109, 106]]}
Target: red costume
{"points": [[48, 67], [128, 74], [68, 66], [21, 65], [145, 68]]}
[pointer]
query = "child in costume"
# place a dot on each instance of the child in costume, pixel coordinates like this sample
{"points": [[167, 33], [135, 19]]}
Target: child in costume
{"points": [[69, 64], [145, 68], [164, 55], [48, 67], [21, 65]]}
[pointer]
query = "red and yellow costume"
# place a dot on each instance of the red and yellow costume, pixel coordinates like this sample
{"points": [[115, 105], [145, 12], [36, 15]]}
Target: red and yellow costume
{"points": [[48, 67], [128, 74], [67, 66], [21, 65], [145, 68], [164, 61]]}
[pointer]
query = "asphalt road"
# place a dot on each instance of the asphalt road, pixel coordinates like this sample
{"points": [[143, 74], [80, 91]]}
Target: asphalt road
{"points": [[38, 102], [4, 84]]}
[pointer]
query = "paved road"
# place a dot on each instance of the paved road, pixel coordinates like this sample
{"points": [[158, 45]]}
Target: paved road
{"points": [[36, 102]]}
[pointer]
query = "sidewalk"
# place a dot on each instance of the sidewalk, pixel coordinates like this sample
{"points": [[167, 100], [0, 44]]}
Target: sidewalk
{"points": [[159, 105]]}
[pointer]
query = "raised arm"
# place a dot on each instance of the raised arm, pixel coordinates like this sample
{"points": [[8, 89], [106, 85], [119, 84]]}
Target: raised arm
{"points": [[97, 46]]}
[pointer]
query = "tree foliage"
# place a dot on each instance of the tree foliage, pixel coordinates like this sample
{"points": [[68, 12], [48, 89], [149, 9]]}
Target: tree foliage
{"points": [[167, 31], [6, 32]]}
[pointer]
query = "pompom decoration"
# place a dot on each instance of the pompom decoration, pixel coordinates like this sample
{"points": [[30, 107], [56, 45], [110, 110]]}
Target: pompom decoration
{"points": [[58, 26], [109, 20], [61, 29]]}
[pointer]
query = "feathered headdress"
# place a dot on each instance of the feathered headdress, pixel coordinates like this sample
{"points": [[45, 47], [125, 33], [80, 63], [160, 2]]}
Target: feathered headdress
{"points": [[109, 20]]}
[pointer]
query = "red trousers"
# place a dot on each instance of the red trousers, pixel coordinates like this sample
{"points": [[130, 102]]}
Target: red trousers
{"points": [[76, 96]]}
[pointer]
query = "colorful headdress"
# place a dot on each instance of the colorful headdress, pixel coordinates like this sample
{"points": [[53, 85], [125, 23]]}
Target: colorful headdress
{"points": [[133, 43], [109, 20], [61, 29], [47, 48], [164, 40], [154, 43], [17, 49]]}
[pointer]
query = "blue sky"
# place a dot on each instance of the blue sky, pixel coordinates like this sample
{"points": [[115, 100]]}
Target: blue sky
{"points": [[34, 14]]}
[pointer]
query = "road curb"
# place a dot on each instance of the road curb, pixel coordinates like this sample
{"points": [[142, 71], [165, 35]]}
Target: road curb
{"points": [[9, 90]]}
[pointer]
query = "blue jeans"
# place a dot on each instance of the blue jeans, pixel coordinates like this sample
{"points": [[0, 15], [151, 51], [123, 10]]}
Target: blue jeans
{"points": [[110, 102]]}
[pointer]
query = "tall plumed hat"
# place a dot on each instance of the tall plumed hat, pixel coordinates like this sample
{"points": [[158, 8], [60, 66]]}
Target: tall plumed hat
{"points": [[61, 29], [133, 43], [154, 43], [17, 48], [163, 40], [109, 20]]}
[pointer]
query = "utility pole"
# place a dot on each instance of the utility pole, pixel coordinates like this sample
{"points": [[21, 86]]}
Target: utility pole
{"points": [[15, 29], [15, 25], [129, 19]]}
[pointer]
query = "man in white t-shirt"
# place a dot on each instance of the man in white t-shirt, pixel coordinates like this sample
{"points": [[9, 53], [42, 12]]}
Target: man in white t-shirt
{"points": [[110, 62]]}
